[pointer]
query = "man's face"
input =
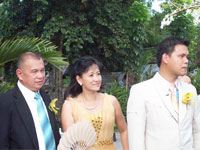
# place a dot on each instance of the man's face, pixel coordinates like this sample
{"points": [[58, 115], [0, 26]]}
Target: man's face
{"points": [[178, 60], [32, 74]]}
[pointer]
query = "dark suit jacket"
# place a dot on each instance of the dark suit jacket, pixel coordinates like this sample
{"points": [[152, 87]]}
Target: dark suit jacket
{"points": [[17, 129]]}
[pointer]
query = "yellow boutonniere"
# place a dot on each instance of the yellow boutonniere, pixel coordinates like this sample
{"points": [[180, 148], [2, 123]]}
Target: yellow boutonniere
{"points": [[187, 98], [52, 106]]}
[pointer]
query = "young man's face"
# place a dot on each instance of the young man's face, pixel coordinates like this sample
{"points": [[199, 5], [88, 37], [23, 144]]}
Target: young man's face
{"points": [[178, 60]]}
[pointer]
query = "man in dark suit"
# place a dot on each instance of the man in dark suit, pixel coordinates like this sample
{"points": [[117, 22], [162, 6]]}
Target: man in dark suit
{"points": [[25, 124]]}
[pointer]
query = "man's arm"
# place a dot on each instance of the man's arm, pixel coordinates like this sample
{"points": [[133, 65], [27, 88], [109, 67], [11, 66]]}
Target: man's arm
{"points": [[136, 117], [5, 125], [196, 123]]}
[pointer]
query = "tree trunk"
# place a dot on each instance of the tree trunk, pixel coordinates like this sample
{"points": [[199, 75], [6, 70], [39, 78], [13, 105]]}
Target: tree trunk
{"points": [[56, 87]]}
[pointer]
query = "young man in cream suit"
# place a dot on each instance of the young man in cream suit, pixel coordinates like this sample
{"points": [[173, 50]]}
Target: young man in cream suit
{"points": [[156, 121]]}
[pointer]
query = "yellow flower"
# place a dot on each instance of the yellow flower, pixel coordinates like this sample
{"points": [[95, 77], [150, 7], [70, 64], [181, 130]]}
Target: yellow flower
{"points": [[187, 98], [52, 106]]}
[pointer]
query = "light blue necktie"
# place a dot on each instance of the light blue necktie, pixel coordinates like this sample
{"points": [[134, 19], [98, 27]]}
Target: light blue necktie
{"points": [[177, 94], [45, 124]]}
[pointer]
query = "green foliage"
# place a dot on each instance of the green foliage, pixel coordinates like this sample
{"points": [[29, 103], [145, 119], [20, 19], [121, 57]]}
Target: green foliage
{"points": [[138, 16], [121, 94], [11, 49], [82, 27], [118, 33], [139, 12], [66, 81], [154, 33], [194, 50], [182, 1], [5, 87], [183, 26], [104, 29], [196, 81]]}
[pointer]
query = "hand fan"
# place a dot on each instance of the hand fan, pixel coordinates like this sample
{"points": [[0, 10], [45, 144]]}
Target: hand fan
{"points": [[78, 137]]}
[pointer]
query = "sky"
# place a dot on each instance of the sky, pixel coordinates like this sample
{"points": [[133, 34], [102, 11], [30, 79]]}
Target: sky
{"points": [[156, 4]]}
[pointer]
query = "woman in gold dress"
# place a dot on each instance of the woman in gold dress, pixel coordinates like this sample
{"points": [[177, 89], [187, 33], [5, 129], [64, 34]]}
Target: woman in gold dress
{"points": [[85, 103]]}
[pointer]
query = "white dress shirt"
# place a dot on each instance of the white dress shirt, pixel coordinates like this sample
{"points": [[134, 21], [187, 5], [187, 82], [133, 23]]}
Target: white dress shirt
{"points": [[29, 97]]}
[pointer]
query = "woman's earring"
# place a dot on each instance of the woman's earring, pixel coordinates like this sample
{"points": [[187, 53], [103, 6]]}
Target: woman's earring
{"points": [[80, 84]]}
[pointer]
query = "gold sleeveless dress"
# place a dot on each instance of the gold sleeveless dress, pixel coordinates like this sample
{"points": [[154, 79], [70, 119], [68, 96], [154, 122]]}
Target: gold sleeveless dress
{"points": [[103, 123]]}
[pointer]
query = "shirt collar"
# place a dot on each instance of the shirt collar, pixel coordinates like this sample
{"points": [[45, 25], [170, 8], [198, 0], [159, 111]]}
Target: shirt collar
{"points": [[27, 93], [165, 84]]}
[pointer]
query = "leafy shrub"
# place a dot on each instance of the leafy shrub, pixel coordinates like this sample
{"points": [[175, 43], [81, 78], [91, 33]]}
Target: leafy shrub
{"points": [[120, 93], [5, 87], [196, 81], [66, 81]]}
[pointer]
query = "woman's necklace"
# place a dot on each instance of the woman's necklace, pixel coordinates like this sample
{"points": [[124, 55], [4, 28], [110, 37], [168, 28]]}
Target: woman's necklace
{"points": [[89, 108]]}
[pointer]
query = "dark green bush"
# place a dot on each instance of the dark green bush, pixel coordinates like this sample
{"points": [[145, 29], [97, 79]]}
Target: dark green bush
{"points": [[121, 94], [196, 81], [5, 87]]}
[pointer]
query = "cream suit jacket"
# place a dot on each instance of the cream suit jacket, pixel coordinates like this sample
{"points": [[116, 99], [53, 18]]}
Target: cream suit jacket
{"points": [[152, 122]]}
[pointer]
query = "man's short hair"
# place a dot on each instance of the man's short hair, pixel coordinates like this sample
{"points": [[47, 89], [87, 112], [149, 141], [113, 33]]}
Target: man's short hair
{"points": [[25, 56], [167, 47]]}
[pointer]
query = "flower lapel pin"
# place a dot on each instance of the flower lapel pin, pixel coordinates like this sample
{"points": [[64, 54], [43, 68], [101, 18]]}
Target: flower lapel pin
{"points": [[188, 98], [52, 106]]}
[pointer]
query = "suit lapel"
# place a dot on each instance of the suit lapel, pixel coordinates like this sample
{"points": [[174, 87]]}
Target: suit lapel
{"points": [[26, 116], [164, 95], [182, 106]]}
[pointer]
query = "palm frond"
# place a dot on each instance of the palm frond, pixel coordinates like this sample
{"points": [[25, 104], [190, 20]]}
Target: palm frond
{"points": [[11, 49]]}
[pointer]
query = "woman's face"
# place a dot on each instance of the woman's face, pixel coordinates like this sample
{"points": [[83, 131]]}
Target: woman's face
{"points": [[91, 79]]}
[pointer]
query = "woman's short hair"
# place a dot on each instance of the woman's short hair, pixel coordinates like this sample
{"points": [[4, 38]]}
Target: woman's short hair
{"points": [[80, 66]]}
